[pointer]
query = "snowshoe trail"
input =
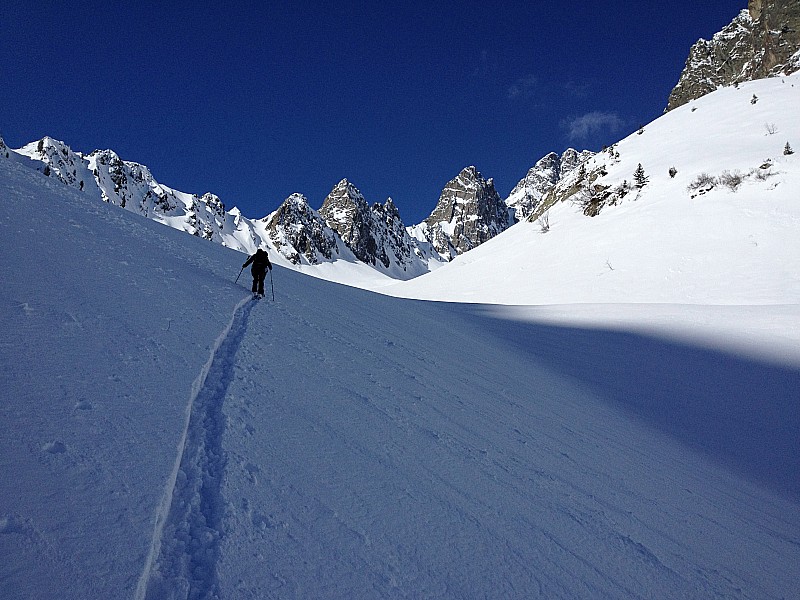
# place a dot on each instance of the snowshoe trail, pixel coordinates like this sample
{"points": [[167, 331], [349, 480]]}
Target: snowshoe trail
{"points": [[185, 547]]}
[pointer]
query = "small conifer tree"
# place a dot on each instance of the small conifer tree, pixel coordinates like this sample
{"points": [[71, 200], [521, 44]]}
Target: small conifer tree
{"points": [[787, 149], [639, 178]]}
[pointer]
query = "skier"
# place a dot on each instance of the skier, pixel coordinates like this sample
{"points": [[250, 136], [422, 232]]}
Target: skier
{"points": [[259, 269]]}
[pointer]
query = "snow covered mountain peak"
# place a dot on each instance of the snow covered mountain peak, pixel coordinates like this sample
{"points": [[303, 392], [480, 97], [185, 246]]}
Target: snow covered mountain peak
{"points": [[376, 235], [55, 159], [546, 173], [686, 210], [469, 212], [342, 205], [300, 234]]}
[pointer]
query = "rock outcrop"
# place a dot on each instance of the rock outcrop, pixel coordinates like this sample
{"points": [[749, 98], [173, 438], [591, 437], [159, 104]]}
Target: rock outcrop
{"points": [[762, 41], [546, 173], [298, 232], [469, 212], [376, 235]]}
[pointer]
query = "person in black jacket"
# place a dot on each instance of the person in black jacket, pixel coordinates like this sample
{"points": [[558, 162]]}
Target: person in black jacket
{"points": [[261, 265]]}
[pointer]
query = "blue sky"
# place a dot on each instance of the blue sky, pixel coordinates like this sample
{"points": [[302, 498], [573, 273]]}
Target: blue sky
{"points": [[256, 100]]}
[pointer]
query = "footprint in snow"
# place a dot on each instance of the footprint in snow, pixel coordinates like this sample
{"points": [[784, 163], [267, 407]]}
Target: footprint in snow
{"points": [[13, 524], [27, 309], [252, 472], [7, 524], [55, 447]]}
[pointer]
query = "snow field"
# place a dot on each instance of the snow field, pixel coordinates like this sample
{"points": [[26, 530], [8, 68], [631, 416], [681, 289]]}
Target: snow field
{"points": [[163, 435], [108, 320], [723, 247], [396, 470]]}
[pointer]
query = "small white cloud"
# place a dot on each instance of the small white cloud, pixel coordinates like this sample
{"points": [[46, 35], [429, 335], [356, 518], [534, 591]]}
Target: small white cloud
{"points": [[583, 127], [522, 87]]}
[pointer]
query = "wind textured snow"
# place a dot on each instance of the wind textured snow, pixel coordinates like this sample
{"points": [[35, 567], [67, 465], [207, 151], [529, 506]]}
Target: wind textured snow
{"points": [[163, 435]]}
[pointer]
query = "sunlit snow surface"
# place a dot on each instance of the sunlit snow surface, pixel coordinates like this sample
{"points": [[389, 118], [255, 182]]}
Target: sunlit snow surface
{"points": [[721, 247], [162, 435]]}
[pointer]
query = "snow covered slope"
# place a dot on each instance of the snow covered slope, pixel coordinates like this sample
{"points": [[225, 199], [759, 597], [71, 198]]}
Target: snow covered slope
{"points": [[108, 320], [162, 435], [674, 240]]}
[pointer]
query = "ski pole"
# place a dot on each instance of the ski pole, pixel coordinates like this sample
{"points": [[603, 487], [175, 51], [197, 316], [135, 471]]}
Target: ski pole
{"points": [[239, 275], [272, 285]]}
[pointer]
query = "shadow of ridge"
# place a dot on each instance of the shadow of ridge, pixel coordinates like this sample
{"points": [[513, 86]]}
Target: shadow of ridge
{"points": [[742, 412]]}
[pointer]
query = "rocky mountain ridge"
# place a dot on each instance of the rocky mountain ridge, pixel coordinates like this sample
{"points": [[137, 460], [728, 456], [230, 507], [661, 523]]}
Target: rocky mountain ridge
{"points": [[761, 41], [129, 185], [469, 211], [299, 233], [376, 234]]}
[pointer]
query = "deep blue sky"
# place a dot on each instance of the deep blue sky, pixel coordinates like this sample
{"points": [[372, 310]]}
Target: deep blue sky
{"points": [[254, 101]]}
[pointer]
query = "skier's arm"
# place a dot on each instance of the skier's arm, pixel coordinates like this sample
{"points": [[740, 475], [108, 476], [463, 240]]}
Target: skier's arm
{"points": [[249, 260]]}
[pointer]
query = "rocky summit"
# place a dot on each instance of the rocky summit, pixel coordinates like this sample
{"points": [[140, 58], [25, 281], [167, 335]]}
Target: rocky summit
{"points": [[546, 173], [469, 212], [129, 185], [376, 235], [296, 230], [346, 212], [762, 41]]}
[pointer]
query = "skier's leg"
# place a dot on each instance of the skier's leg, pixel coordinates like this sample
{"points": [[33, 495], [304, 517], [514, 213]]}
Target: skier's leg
{"points": [[261, 283]]}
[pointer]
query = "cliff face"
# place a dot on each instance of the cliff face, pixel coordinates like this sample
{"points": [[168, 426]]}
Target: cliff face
{"points": [[762, 41], [469, 212], [526, 196]]}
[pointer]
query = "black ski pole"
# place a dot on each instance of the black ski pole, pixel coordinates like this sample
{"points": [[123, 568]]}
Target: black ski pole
{"points": [[239, 275], [272, 285]]}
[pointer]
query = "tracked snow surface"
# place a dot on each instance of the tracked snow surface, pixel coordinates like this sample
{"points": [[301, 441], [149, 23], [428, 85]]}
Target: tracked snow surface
{"points": [[163, 435]]}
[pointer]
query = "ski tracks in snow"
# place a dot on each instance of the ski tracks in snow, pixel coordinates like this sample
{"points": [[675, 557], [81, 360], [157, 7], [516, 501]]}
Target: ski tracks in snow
{"points": [[182, 562]]}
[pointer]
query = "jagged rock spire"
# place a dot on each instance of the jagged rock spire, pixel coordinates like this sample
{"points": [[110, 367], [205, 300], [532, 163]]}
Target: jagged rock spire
{"points": [[546, 173], [297, 231], [469, 212]]}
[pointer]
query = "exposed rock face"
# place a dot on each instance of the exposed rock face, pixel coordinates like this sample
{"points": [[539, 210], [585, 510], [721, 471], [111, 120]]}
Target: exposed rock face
{"points": [[547, 172], [56, 159], [207, 215], [469, 212], [376, 235], [762, 41], [131, 185], [571, 159], [393, 237], [777, 36], [297, 231], [346, 212]]}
